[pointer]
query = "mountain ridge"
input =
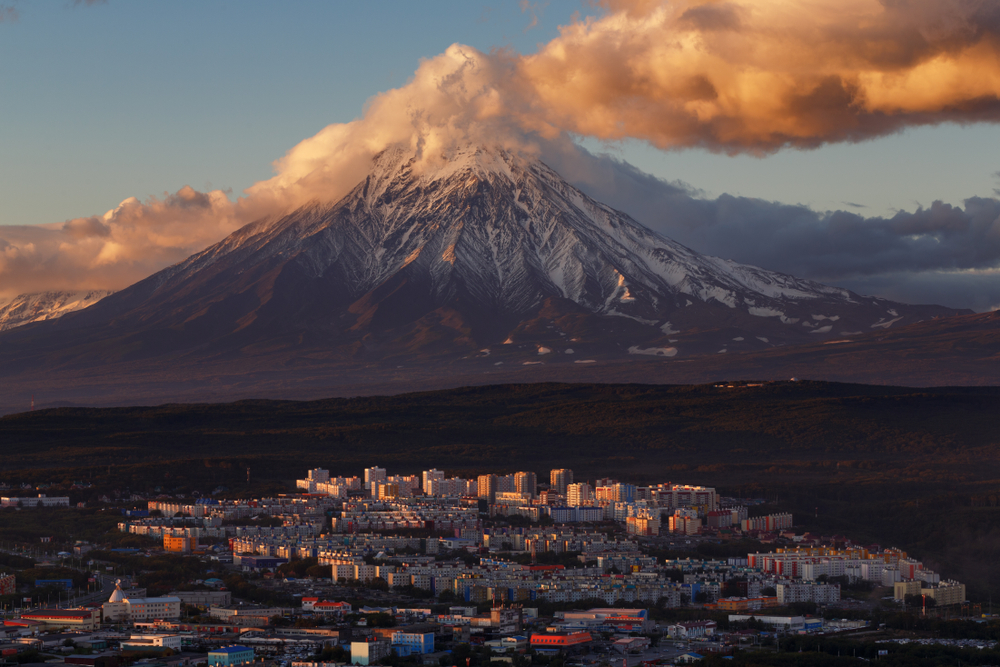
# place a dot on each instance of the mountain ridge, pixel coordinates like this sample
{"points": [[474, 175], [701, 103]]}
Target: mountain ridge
{"points": [[41, 306]]}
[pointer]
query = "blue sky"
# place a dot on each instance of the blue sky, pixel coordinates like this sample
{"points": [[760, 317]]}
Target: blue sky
{"points": [[121, 99]]}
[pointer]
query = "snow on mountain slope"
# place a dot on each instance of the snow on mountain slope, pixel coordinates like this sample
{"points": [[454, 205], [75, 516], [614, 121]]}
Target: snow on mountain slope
{"points": [[475, 248], [41, 306]]}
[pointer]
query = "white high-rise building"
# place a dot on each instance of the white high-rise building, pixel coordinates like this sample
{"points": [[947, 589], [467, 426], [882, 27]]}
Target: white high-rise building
{"points": [[579, 495]]}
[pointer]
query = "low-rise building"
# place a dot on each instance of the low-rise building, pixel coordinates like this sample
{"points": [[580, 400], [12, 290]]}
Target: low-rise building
{"points": [[412, 643], [560, 641], [227, 656], [204, 598], [120, 607], [783, 622], [692, 629], [70, 619], [151, 643]]}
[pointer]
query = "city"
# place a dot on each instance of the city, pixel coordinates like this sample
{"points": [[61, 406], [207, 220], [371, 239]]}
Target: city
{"points": [[426, 569]]}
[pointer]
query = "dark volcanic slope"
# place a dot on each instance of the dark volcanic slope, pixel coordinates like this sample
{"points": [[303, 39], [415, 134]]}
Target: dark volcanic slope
{"points": [[484, 261], [961, 350]]}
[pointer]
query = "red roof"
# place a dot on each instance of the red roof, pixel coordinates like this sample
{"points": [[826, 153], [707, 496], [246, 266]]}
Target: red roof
{"points": [[59, 613], [560, 641]]}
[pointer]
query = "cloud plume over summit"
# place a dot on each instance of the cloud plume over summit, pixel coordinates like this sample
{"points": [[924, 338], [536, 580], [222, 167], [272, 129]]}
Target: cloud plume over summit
{"points": [[736, 76]]}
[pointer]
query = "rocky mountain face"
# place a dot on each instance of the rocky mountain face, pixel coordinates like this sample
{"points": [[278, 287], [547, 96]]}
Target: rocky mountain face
{"points": [[486, 258], [27, 308]]}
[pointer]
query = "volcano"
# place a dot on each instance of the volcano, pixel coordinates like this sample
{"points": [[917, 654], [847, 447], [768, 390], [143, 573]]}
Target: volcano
{"points": [[481, 255]]}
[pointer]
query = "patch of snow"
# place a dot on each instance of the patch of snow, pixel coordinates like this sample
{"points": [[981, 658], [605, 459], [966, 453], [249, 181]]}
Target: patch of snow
{"points": [[885, 325], [765, 312], [721, 295], [667, 329], [723, 350], [688, 303], [892, 311], [834, 342], [851, 333], [788, 320], [499, 363], [568, 350], [738, 338], [531, 363], [833, 318], [825, 329], [486, 352], [761, 338], [654, 351], [544, 350], [640, 320], [585, 361], [671, 340], [509, 341]]}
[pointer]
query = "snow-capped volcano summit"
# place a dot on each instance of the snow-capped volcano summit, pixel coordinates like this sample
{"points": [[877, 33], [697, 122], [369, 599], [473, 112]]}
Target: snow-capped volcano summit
{"points": [[455, 254]]}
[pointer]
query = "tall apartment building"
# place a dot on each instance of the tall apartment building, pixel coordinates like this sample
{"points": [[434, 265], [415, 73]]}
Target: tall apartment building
{"points": [[559, 480], [526, 482], [429, 476], [580, 494], [487, 486], [456, 486], [615, 493], [373, 477]]}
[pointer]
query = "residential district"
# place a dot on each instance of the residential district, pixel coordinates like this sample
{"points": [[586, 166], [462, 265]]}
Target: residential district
{"points": [[438, 570]]}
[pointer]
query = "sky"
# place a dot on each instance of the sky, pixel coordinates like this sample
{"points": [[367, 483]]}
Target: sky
{"points": [[184, 106]]}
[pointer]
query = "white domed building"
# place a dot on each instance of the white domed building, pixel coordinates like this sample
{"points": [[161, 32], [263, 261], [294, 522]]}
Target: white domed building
{"points": [[120, 607]]}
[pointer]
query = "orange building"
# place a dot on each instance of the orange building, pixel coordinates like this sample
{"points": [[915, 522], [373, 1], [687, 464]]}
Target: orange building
{"points": [[179, 543]]}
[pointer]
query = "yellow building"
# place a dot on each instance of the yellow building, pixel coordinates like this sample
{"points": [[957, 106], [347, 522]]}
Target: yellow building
{"points": [[947, 592], [901, 589]]}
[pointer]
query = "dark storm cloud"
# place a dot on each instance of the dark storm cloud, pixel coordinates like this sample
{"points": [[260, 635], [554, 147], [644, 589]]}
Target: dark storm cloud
{"points": [[942, 253]]}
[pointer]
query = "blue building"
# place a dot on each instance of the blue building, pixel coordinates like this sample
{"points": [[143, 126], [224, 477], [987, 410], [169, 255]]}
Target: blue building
{"points": [[412, 643], [230, 655]]}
